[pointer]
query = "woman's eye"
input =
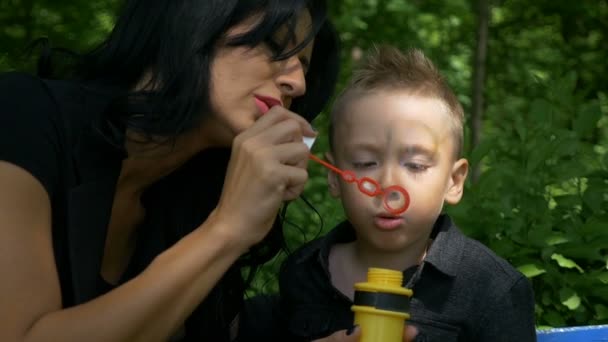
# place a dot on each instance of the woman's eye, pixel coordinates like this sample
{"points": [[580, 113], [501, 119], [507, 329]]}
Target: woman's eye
{"points": [[273, 46], [305, 64]]}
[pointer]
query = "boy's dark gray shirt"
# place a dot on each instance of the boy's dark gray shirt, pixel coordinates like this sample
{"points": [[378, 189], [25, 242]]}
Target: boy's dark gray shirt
{"points": [[465, 292]]}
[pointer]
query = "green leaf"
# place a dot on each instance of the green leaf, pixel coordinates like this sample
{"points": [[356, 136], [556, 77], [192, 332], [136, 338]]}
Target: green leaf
{"points": [[595, 227], [565, 262], [531, 270], [546, 298], [567, 170], [564, 87], [588, 118], [541, 112], [544, 327], [480, 151], [556, 239], [588, 251], [565, 146], [569, 298], [603, 277], [540, 152], [601, 311], [567, 201], [594, 198], [554, 318]]}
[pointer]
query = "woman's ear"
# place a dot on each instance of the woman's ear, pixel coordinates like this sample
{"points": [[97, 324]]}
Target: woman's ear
{"points": [[332, 178], [458, 175]]}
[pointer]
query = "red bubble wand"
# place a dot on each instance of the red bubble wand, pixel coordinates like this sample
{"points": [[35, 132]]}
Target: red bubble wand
{"points": [[366, 185]]}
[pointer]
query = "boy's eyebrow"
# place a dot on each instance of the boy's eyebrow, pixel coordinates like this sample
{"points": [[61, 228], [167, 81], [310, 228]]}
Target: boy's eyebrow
{"points": [[365, 145], [416, 149]]}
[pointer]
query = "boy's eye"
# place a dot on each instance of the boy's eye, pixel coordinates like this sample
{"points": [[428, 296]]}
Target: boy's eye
{"points": [[364, 164], [416, 167]]}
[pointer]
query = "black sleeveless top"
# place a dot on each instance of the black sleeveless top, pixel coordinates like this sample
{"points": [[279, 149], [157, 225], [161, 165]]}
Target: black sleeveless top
{"points": [[52, 129]]}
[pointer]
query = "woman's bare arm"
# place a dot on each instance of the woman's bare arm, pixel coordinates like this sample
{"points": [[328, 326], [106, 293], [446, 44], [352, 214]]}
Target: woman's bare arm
{"points": [[150, 307]]}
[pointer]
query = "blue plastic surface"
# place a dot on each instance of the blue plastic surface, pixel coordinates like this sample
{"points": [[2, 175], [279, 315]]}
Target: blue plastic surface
{"points": [[590, 333]]}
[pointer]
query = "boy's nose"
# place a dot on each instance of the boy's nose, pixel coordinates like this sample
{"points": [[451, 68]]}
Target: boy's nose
{"points": [[396, 198], [387, 177]]}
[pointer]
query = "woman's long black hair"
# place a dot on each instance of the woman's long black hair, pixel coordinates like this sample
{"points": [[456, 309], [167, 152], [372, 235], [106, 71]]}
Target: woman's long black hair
{"points": [[173, 43]]}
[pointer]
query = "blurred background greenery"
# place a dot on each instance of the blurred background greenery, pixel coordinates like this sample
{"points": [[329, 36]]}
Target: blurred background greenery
{"points": [[532, 76]]}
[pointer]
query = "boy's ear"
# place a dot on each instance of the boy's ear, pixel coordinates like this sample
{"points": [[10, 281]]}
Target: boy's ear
{"points": [[458, 175], [332, 178]]}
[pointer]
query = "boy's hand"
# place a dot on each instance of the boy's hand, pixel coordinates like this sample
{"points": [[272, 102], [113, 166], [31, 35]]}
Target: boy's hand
{"points": [[341, 335]]}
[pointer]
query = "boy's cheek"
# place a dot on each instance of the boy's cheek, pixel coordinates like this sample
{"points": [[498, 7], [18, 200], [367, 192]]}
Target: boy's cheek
{"points": [[332, 183]]}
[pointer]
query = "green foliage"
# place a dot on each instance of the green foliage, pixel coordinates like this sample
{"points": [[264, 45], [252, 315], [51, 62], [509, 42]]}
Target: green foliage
{"points": [[542, 200], [76, 25]]}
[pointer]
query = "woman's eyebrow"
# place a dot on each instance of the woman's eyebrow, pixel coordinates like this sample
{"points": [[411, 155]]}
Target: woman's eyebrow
{"points": [[305, 62]]}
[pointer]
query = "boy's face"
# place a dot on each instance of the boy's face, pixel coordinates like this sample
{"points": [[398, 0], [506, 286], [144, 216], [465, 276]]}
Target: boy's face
{"points": [[396, 139]]}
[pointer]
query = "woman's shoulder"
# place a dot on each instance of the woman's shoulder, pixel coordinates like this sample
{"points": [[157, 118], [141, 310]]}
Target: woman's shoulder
{"points": [[18, 78], [24, 92], [22, 86], [57, 104]]}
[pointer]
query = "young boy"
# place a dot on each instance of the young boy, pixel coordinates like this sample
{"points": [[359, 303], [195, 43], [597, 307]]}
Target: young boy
{"points": [[398, 122]]}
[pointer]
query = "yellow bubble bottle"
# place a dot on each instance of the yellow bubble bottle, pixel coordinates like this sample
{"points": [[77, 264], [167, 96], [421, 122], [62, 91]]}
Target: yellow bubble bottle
{"points": [[381, 306]]}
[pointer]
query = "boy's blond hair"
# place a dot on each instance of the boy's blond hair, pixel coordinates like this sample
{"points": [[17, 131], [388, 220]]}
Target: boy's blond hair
{"points": [[388, 69]]}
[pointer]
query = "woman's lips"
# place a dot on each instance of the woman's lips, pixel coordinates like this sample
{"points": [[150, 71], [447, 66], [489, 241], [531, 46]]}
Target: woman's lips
{"points": [[264, 103], [388, 222]]}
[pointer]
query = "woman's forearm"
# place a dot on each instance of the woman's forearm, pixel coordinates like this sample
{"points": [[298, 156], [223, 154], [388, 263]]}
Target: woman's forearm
{"points": [[153, 305]]}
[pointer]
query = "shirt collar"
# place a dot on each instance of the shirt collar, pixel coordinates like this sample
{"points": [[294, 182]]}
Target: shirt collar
{"points": [[444, 254], [446, 250]]}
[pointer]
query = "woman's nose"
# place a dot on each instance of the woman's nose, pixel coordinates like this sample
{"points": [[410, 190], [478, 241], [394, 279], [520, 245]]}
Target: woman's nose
{"points": [[292, 80]]}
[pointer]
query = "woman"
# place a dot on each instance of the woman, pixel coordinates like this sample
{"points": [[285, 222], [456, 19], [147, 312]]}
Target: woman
{"points": [[136, 193]]}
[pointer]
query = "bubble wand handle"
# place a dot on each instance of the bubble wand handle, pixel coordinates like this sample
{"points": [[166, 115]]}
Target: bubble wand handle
{"points": [[326, 164]]}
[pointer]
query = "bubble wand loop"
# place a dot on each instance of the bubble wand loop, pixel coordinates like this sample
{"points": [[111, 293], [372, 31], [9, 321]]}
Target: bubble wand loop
{"points": [[370, 187]]}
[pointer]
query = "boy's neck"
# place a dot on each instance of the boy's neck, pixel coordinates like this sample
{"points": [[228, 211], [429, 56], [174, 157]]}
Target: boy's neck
{"points": [[349, 262], [365, 257]]}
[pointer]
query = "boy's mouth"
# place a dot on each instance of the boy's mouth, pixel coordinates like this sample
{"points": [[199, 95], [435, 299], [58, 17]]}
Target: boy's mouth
{"points": [[388, 222]]}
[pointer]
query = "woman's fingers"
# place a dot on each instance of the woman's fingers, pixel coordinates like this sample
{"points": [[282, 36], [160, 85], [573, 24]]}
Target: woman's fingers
{"points": [[293, 154], [267, 167], [410, 333], [295, 185], [278, 114]]}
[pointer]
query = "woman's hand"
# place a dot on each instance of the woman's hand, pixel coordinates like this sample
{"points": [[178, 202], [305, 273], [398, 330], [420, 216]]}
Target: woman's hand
{"points": [[267, 166], [353, 336]]}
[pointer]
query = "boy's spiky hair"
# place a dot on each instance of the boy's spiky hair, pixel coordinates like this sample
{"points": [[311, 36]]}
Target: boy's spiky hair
{"points": [[386, 68]]}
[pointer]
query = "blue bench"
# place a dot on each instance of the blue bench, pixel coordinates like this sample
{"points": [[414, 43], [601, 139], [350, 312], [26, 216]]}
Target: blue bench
{"points": [[590, 333]]}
